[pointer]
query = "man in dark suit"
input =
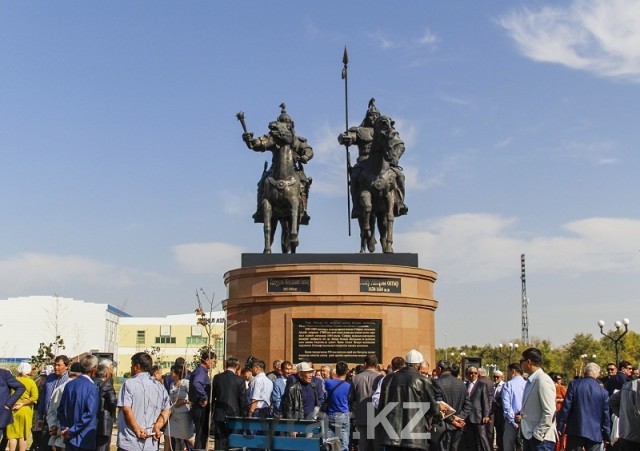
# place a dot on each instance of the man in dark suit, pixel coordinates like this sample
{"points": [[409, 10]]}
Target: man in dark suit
{"points": [[475, 431], [229, 398], [7, 399], [585, 412], [497, 408], [452, 391], [108, 402], [625, 370], [488, 386], [78, 409], [199, 397]]}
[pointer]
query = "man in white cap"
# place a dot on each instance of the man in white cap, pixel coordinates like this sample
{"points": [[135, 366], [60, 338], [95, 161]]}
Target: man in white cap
{"points": [[406, 399], [301, 401], [496, 408]]}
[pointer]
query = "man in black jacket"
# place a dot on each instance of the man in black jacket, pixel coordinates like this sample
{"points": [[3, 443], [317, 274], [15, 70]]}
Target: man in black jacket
{"points": [[406, 406], [452, 391], [230, 400], [300, 400], [108, 401]]}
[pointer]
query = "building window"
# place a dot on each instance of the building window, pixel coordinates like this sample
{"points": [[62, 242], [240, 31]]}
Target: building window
{"points": [[165, 340], [140, 337], [196, 340], [219, 346]]}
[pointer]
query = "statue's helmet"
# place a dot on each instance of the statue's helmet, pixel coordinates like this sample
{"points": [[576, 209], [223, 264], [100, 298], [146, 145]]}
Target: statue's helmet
{"points": [[372, 114], [284, 117]]}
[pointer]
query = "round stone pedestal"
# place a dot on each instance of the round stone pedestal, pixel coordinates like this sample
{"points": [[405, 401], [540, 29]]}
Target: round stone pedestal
{"points": [[331, 307]]}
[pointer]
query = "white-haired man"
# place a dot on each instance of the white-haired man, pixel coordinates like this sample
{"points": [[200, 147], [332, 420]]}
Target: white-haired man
{"points": [[584, 416], [78, 409]]}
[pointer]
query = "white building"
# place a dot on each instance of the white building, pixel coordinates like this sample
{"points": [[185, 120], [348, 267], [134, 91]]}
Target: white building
{"points": [[27, 321]]}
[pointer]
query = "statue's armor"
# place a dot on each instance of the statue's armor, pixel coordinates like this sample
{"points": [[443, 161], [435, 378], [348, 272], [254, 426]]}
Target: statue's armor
{"points": [[362, 137], [304, 153]]}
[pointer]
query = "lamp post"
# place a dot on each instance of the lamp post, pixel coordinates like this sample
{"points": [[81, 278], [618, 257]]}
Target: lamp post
{"points": [[510, 347], [583, 362], [616, 336]]}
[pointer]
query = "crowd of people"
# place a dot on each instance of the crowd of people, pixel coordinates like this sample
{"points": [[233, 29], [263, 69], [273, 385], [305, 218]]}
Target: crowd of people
{"points": [[407, 405]]}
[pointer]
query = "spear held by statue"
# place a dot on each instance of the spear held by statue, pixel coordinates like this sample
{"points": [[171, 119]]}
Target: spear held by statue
{"points": [[345, 61]]}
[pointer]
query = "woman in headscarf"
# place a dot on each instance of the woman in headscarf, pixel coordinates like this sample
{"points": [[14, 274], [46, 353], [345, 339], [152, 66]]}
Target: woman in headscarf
{"points": [[18, 431]]}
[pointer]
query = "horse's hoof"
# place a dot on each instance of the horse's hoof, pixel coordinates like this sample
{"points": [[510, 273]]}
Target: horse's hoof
{"points": [[371, 244], [266, 251], [388, 250]]}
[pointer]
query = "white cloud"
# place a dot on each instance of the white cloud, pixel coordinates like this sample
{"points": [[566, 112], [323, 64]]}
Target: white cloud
{"points": [[599, 36], [455, 100], [504, 143], [239, 204], [472, 248], [330, 159], [381, 40], [439, 170], [207, 258], [598, 152], [428, 39], [47, 273]]}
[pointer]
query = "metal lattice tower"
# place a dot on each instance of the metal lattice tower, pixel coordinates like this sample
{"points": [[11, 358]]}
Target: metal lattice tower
{"points": [[525, 303]]}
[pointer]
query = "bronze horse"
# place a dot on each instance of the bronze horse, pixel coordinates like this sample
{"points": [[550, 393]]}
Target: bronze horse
{"points": [[374, 193], [281, 202]]}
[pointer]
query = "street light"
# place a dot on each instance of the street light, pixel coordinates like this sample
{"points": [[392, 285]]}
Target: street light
{"points": [[510, 347], [616, 336], [583, 363]]}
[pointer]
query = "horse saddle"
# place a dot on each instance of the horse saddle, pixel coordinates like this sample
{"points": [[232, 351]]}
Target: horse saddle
{"points": [[282, 184]]}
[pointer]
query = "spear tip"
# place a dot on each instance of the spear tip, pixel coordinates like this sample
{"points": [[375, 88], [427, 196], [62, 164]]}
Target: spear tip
{"points": [[345, 56]]}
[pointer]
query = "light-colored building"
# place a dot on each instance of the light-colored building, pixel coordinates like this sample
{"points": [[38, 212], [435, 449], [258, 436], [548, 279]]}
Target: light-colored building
{"points": [[167, 338], [27, 321]]}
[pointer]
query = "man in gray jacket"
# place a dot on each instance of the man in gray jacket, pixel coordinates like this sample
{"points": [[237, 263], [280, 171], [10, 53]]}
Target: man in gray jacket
{"points": [[363, 386], [626, 405]]}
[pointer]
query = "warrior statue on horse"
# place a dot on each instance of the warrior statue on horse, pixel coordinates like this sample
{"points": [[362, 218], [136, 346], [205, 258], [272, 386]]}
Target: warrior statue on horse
{"points": [[376, 180], [283, 189]]}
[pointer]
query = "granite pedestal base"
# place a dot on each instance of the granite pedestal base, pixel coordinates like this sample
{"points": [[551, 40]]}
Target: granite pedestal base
{"points": [[329, 307]]}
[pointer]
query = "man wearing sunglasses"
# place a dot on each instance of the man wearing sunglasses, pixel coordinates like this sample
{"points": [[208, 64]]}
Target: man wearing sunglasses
{"points": [[537, 416], [475, 434]]}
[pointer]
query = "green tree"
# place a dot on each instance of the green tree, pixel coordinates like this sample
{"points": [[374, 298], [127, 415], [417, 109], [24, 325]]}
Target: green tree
{"points": [[47, 353], [572, 361]]}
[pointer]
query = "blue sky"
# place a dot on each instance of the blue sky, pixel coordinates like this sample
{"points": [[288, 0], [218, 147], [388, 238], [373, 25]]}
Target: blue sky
{"points": [[125, 180]]}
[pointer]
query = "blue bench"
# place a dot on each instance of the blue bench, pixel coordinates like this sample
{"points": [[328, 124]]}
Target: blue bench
{"points": [[275, 434]]}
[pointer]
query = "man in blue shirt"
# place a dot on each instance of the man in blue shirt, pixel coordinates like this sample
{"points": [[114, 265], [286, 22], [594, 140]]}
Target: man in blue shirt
{"points": [[286, 368], [338, 405], [60, 376], [512, 394], [260, 390], [144, 407]]}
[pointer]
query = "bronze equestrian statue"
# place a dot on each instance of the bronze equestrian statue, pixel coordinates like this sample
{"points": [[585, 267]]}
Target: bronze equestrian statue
{"points": [[376, 181], [283, 189]]}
